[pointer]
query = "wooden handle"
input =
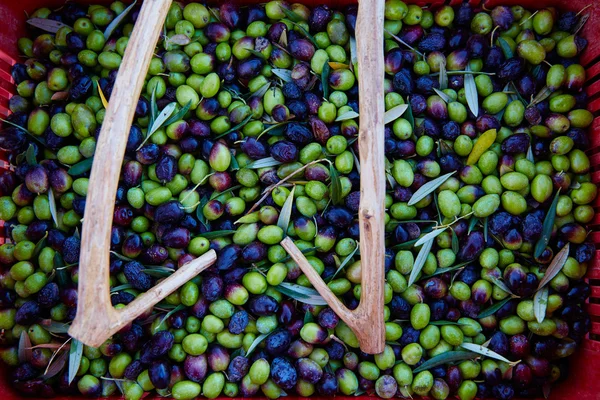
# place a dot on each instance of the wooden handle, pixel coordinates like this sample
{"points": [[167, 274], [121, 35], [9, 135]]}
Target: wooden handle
{"points": [[96, 320], [367, 320]]}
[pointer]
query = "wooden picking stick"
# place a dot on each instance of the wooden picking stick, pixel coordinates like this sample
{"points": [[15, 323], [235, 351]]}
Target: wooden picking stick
{"points": [[366, 320], [96, 319]]}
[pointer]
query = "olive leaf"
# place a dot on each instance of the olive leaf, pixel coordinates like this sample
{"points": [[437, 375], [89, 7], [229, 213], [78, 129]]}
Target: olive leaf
{"points": [[24, 350], [542, 95], [356, 160], [30, 155], [173, 311], [581, 23], [546, 389], [484, 351], [484, 141], [445, 323], [325, 79], [346, 116], [420, 261], [256, 53], [159, 121], [409, 115], [455, 243], [301, 293], [530, 154], [256, 342], [159, 272], [430, 236], [394, 113], [338, 65], [286, 212], [471, 92], [200, 212], [429, 187], [308, 317], [75, 354], [179, 114], [52, 205], [485, 229], [263, 163], [284, 74], [55, 366], [540, 303], [345, 262], [555, 266], [547, 227], [61, 273], [124, 286], [443, 95], [500, 283], [472, 222], [263, 89], [335, 192], [39, 246], [45, 24], [115, 22], [292, 16], [445, 358], [231, 189], [81, 167], [440, 271], [235, 128], [353, 53], [153, 106], [402, 42], [55, 327], [120, 256], [493, 308], [248, 218], [60, 96], [101, 95], [216, 234], [508, 53], [443, 77], [38, 139], [305, 33]]}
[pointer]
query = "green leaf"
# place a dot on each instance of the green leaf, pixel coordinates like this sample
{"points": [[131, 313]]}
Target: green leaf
{"points": [[120, 256], [55, 365], [455, 243], [540, 303], [231, 189], [284, 74], [115, 22], [445, 358], [256, 53], [292, 16], [440, 271], [61, 273], [420, 261], [179, 114], [24, 351], [555, 266], [394, 113], [81, 167], [325, 79], [124, 286], [52, 206], [471, 93], [153, 107], [493, 308], [301, 293], [485, 229], [409, 115], [263, 163], [39, 246], [55, 327], [444, 323], [256, 342], [38, 139], [484, 351], [346, 116], [443, 78], [345, 262], [547, 227], [508, 53], [199, 210], [305, 33], [286, 212], [443, 95], [430, 236], [472, 222], [308, 317], [159, 272], [336, 186], [235, 128], [173, 311], [30, 155], [216, 234], [429, 187], [75, 354]]}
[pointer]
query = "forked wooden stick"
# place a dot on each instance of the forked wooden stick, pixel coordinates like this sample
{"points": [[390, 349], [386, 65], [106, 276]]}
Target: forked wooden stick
{"points": [[366, 320], [96, 319]]}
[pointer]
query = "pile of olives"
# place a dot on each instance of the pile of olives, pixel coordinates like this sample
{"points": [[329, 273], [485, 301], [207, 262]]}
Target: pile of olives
{"points": [[488, 199]]}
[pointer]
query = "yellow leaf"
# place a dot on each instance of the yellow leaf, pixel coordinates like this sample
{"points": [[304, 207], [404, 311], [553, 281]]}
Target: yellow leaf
{"points": [[337, 65], [483, 143], [104, 102]]}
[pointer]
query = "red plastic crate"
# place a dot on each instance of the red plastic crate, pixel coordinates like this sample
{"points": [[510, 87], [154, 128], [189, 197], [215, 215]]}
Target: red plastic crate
{"points": [[584, 378]]}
